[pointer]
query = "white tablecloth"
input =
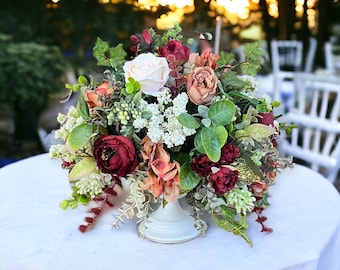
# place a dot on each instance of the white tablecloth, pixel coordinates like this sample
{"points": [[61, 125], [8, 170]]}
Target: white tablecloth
{"points": [[35, 234]]}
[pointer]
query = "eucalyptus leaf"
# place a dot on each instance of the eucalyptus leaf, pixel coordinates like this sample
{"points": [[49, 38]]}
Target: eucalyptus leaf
{"points": [[221, 134], [208, 143], [82, 169], [222, 112], [187, 177], [203, 111], [188, 121], [79, 136], [259, 131]]}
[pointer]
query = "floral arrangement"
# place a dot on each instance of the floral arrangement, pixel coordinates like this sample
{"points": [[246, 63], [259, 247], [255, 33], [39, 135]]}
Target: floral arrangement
{"points": [[168, 122]]}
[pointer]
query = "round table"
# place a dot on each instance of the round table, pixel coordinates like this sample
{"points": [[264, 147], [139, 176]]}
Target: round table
{"points": [[36, 234]]}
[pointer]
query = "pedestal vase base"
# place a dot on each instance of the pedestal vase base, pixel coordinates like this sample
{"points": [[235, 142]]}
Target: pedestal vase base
{"points": [[170, 224]]}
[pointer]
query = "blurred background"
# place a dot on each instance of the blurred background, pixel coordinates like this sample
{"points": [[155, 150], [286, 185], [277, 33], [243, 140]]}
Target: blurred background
{"points": [[45, 44]]}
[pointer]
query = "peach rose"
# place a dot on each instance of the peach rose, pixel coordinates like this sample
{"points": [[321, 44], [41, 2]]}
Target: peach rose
{"points": [[93, 98], [201, 85]]}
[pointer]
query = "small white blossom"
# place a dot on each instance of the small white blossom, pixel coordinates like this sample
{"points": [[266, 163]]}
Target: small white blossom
{"points": [[93, 184]]}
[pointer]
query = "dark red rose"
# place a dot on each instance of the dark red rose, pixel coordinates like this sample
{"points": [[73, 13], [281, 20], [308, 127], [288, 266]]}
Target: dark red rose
{"points": [[177, 49], [201, 165], [115, 155], [224, 180], [229, 153]]}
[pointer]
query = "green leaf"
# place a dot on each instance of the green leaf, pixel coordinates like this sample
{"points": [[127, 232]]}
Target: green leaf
{"points": [[188, 121], [253, 55], [64, 204], [259, 131], [100, 50], [203, 111], [221, 134], [231, 222], [83, 80], [250, 68], [187, 177], [82, 108], [207, 142], [79, 136], [117, 55], [82, 169], [83, 200], [225, 59], [222, 112]]}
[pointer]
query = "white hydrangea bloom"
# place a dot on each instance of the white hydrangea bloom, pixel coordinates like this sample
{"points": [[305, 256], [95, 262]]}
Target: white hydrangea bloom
{"points": [[240, 198], [68, 122], [61, 151], [163, 125]]}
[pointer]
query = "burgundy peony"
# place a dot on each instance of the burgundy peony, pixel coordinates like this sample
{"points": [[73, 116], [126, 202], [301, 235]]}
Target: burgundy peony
{"points": [[201, 164], [115, 155], [224, 180], [229, 153], [177, 49], [268, 119]]}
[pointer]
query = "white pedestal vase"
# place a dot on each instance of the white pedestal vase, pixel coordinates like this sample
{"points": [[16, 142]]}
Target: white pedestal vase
{"points": [[170, 224]]}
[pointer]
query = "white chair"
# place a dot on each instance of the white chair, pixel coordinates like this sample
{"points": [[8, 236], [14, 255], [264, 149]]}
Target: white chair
{"points": [[332, 61], [316, 140], [309, 63], [286, 58]]}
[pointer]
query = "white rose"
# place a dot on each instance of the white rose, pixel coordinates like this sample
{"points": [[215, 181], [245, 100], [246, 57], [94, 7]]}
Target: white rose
{"points": [[150, 71]]}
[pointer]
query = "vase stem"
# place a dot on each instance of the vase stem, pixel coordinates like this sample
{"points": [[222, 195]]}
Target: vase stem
{"points": [[169, 224]]}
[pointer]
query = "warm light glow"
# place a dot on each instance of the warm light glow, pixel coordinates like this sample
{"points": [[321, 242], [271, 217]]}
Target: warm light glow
{"points": [[239, 7], [168, 20], [171, 3], [273, 8]]}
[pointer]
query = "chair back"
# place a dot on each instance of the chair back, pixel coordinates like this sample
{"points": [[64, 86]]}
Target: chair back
{"points": [[332, 60], [309, 64], [286, 55], [316, 140], [286, 58]]}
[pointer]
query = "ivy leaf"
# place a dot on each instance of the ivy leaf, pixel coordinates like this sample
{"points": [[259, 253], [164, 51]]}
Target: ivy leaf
{"points": [[253, 56], [231, 81], [222, 112], [82, 169], [250, 68], [253, 51], [79, 136], [188, 121], [187, 177], [117, 56], [226, 58], [100, 50]]}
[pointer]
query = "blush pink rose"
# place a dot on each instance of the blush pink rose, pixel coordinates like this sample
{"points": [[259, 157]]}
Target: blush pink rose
{"points": [[202, 85]]}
